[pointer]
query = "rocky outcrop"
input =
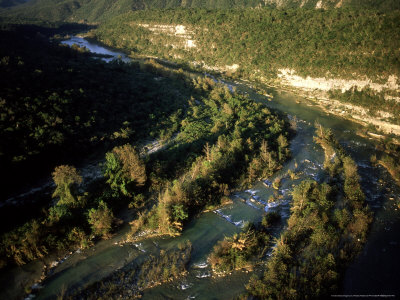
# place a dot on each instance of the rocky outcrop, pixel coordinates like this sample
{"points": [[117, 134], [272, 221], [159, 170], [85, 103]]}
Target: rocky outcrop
{"points": [[317, 88], [289, 77], [181, 32]]}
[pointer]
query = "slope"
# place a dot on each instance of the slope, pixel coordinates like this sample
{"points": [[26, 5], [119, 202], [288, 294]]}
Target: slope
{"points": [[99, 10]]}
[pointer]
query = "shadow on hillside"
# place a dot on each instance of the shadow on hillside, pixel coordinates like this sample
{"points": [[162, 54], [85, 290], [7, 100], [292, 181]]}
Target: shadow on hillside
{"points": [[48, 31]]}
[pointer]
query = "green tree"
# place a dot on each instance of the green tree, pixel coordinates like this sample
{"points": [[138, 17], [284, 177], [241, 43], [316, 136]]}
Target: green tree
{"points": [[66, 179], [179, 215], [101, 220], [57, 212], [124, 169], [79, 238]]}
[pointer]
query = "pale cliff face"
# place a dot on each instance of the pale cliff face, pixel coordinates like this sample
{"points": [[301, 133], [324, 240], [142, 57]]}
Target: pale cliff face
{"points": [[289, 77], [318, 87], [184, 37], [317, 4]]}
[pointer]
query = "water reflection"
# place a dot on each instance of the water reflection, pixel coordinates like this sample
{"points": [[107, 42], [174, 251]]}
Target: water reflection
{"points": [[95, 48]]}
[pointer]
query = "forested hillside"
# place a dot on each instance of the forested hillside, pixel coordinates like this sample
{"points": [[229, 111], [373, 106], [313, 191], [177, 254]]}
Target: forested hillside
{"points": [[57, 104], [9, 3], [329, 43], [100, 10], [351, 55]]}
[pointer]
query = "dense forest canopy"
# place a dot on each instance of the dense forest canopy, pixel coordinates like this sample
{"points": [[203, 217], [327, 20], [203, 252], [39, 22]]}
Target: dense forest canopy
{"points": [[100, 10], [58, 104], [334, 49], [341, 43]]}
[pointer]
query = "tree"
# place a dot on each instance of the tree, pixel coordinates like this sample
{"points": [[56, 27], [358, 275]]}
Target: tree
{"points": [[66, 179], [78, 237], [179, 215], [124, 169], [282, 149], [57, 212], [101, 219]]}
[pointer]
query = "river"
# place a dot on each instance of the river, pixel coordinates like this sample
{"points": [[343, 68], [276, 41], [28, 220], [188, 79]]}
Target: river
{"points": [[373, 272]]}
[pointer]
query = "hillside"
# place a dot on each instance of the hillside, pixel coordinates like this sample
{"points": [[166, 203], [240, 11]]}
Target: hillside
{"points": [[346, 51], [100, 10], [9, 3], [348, 55]]}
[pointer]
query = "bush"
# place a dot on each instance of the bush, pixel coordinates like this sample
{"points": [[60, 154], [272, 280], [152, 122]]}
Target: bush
{"points": [[101, 220]]}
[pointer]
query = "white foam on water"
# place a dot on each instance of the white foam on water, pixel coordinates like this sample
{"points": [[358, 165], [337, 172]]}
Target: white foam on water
{"points": [[228, 218], [251, 192], [239, 223], [203, 275], [285, 202], [185, 286], [252, 205], [364, 165], [284, 191], [201, 265], [272, 204], [139, 246], [268, 183], [36, 286], [259, 200]]}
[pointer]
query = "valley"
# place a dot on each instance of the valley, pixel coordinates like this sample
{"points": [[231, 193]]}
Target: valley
{"points": [[209, 172]]}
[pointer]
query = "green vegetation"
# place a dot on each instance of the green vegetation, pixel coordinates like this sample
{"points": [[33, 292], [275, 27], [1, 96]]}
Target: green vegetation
{"points": [[101, 219], [168, 266], [58, 106], [135, 277], [66, 178], [341, 43], [124, 169], [66, 105], [100, 10], [257, 44], [392, 165], [76, 214], [61, 229], [326, 230], [373, 101], [332, 149], [389, 158], [233, 253], [239, 251], [232, 140], [357, 40]]}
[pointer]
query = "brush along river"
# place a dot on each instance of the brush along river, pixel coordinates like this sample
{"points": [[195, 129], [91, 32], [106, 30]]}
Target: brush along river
{"points": [[373, 272]]}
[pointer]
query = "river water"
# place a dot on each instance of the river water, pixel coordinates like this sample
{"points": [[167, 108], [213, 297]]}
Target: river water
{"points": [[372, 273], [95, 48]]}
